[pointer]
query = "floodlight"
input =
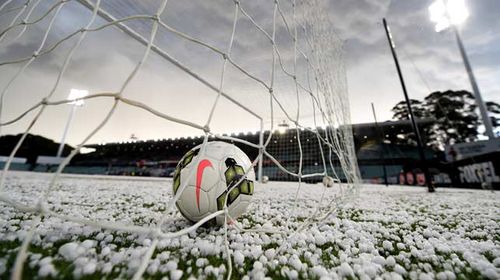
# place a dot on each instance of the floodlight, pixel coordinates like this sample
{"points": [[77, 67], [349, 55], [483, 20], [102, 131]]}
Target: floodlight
{"points": [[448, 12], [283, 127], [75, 96]]}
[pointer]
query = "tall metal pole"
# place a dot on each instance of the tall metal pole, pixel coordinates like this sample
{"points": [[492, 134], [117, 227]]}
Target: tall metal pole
{"points": [[475, 88], [66, 128], [382, 144], [410, 111]]}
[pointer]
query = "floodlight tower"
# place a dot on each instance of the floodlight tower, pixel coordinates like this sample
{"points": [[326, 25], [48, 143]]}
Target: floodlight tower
{"points": [[283, 127], [449, 14], [75, 98]]}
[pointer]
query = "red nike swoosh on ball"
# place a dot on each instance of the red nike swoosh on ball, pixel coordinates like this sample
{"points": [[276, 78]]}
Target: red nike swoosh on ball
{"points": [[199, 175]]}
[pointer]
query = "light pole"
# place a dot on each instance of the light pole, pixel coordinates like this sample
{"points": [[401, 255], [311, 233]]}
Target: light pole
{"points": [[420, 146], [448, 14], [74, 99]]}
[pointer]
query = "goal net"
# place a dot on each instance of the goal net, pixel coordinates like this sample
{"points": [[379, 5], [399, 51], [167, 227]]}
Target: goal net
{"points": [[174, 68]]}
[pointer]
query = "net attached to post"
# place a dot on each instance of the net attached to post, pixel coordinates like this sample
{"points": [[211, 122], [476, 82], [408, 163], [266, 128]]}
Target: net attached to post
{"points": [[297, 78]]}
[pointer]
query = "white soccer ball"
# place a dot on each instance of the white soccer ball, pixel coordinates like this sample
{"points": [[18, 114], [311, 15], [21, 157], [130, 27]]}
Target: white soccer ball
{"points": [[265, 179], [328, 181], [213, 178]]}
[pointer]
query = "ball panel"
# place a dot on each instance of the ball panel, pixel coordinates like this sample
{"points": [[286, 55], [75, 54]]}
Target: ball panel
{"points": [[246, 187], [185, 161], [243, 158], [189, 203], [188, 157], [217, 150], [206, 172], [245, 162], [221, 201], [238, 207], [233, 195], [177, 181], [183, 212]]}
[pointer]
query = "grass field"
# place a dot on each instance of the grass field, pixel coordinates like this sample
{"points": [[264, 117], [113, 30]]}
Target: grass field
{"points": [[392, 232]]}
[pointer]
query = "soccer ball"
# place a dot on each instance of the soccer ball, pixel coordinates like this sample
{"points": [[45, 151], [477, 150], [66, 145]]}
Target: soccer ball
{"points": [[213, 178], [328, 181], [265, 179]]}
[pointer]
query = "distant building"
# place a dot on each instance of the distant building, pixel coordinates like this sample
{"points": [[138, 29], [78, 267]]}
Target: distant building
{"points": [[377, 148], [159, 157]]}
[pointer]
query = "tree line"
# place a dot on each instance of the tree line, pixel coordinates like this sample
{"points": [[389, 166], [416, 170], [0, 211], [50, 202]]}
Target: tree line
{"points": [[450, 117]]}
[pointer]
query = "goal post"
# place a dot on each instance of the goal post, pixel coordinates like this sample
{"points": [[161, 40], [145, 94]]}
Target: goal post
{"points": [[211, 69]]}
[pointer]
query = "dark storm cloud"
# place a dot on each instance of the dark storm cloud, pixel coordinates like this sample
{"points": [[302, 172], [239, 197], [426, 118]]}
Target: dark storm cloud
{"points": [[23, 50], [51, 61]]}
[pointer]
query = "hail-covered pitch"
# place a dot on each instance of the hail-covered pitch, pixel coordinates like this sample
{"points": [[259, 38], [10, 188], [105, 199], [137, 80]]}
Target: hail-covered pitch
{"points": [[212, 177], [394, 232]]}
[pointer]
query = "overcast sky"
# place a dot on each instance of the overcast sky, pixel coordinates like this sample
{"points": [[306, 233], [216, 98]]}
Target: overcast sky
{"points": [[430, 62]]}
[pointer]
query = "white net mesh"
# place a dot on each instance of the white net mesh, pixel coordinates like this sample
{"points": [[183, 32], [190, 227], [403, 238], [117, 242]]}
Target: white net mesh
{"points": [[297, 75]]}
